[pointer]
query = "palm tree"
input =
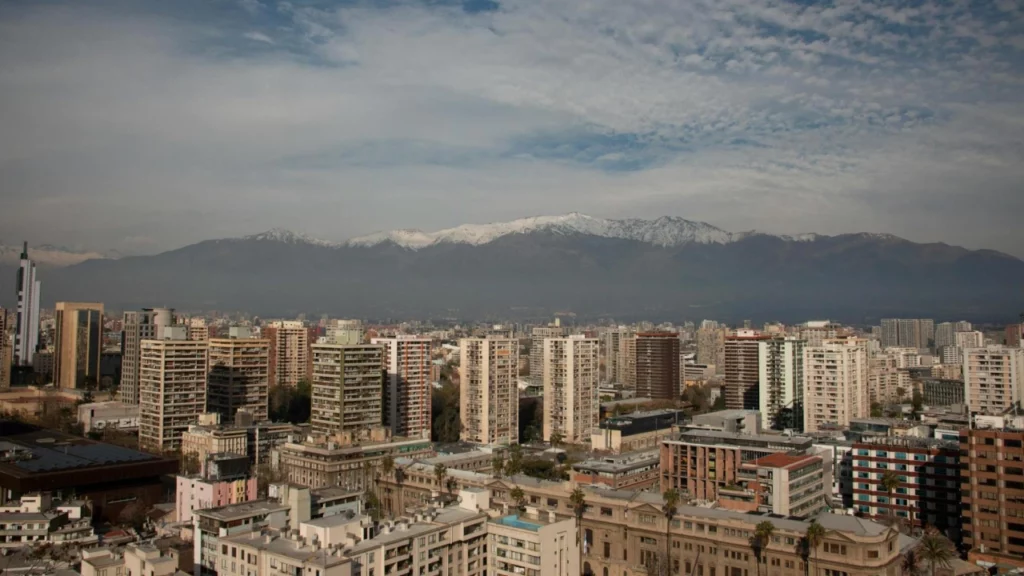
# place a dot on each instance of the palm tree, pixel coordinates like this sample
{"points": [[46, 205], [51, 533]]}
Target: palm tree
{"points": [[890, 482], [498, 465], [519, 497], [670, 507], [578, 499], [451, 484], [440, 473], [387, 466], [813, 538], [762, 537], [936, 549], [912, 563]]}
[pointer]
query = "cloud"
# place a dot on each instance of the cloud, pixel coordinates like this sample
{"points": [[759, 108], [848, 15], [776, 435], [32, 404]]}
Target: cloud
{"points": [[176, 124]]}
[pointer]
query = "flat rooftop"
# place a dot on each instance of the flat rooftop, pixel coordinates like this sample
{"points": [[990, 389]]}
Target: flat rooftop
{"points": [[738, 438], [45, 451], [781, 460], [243, 510]]}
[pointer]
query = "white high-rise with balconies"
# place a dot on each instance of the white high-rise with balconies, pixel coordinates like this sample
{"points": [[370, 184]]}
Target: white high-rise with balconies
{"points": [[780, 364], [489, 399], [147, 324], [172, 388], [993, 378], [571, 374], [407, 385], [836, 378]]}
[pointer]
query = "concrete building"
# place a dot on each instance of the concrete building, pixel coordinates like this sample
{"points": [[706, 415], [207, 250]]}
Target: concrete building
{"points": [[255, 440], [214, 487], [993, 378], [571, 375], [780, 367], [38, 519], [786, 485], [147, 324], [198, 330], [992, 493], [945, 333], [741, 370], [99, 416], [141, 559], [348, 460], [78, 341], [835, 383], [657, 365], [629, 471], [711, 347], [407, 389], [534, 542], [636, 431], [172, 389], [6, 349], [348, 382], [239, 375], [616, 354], [291, 360], [537, 337], [907, 333], [26, 327], [489, 402], [815, 332], [972, 339]]}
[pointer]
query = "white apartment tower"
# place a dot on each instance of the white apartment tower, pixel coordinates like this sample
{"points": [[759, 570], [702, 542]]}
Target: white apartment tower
{"points": [[348, 382], [537, 337], [571, 375], [26, 334], [489, 402], [835, 383], [239, 376], [616, 353], [147, 324], [172, 388], [407, 385], [993, 378], [780, 365]]}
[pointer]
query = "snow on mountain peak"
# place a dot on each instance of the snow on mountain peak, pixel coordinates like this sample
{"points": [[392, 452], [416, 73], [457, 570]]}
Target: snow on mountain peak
{"points": [[288, 237]]}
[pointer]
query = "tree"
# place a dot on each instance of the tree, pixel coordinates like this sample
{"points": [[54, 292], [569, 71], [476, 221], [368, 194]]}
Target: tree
{"points": [[556, 438], [188, 463], [519, 497], [669, 508], [578, 499], [813, 538], [936, 549], [515, 460], [134, 515], [917, 402], [900, 393], [498, 465], [451, 484], [762, 537], [267, 475], [876, 410], [912, 563], [291, 404], [890, 482], [373, 505], [440, 473]]}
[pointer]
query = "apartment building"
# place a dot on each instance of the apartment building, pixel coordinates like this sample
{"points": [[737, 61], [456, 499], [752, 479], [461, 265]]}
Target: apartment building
{"points": [[993, 378], [657, 365], [782, 484], [489, 403], [407, 389], [348, 382], [616, 361], [992, 493], [225, 480], [291, 360], [198, 330], [142, 559], [537, 337], [172, 389], [835, 383], [907, 332], [711, 347], [349, 460], [239, 375], [136, 326], [534, 542], [780, 378], [742, 375], [78, 341], [571, 375]]}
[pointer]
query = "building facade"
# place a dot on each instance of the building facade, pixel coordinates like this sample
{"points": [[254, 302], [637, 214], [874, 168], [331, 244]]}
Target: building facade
{"points": [[780, 366], [657, 365], [537, 337], [742, 374], [147, 324], [78, 341], [489, 402], [571, 375], [26, 324], [992, 494], [353, 466], [6, 350], [239, 376], [407, 388], [835, 383], [993, 378], [782, 484], [348, 382], [172, 391], [291, 360]]}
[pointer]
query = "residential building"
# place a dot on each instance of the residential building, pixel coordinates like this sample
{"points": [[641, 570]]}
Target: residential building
{"points": [[78, 341], [835, 383], [942, 391], [26, 328], [571, 374], [907, 333], [214, 525], [629, 471], [136, 326], [347, 460], [291, 360], [347, 385], [239, 375], [141, 559], [929, 473], [534, 542], [489, 402], [614, 350], [945, 333], [815, 332], [198, 330], [255, 440], [992, 493], [780, 484], [172, 389], [657, 365], [407, 388], [224, 480], [711, 347], [38, 519], [636, 431], [742, 369], [537, 337], [99, 416], [973, 339], [780, 367], [993, 378]]}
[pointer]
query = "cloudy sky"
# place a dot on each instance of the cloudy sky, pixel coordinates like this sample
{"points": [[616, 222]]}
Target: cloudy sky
{"points": [[140, 126]]}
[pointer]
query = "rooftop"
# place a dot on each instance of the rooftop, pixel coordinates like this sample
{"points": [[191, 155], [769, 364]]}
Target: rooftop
{"points": [[739, 439], [514, 521], [781, 460], [243, 510], [620, 463], [46, 451]]}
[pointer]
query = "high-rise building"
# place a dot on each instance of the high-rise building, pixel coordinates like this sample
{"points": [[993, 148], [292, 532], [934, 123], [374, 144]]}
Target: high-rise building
{"points": [[78, 341], [290, 358], [615, 353], [945, 335], [348, 382], [537, 337], [780, 365], [198, 330], [6, 350], [657, 365], [571, 404], [147, 324], [908, 332], [172, 388], [407, 386], [973, 339], [835, 383], [711, 347], [26, 334], [991, 481], [993, 378], [742, 371], [239, 375], [489, 399]]}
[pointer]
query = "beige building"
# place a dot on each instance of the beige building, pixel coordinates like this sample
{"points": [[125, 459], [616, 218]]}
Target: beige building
{"points": [[993, 378], [571, 374], [239, 375], [489, 402], [146, 324], [836, 380], [6, 350], [537, 337], [141, 559], [172, 390], [347, 385], [534, 542], [291, 360], [615, 348], [407, 386], [78, 341], [255, 440], [349, 460], [198, 330]]}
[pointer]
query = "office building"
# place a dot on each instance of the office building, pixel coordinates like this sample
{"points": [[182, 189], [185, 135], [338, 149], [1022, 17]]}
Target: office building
{"points": [[239, 375], [254, 440], [992, 493], [630, 471], [836, 379], [489, 402], [26, 327], [742, 370], [147, 324], [6, 350], [78, 341], [407, 385], [657, 365], [571, 374], [348, 382], [172, 389], [537, 337], [780, 366], [291, 361], [636, 431], [100, 416], [993, 378]]}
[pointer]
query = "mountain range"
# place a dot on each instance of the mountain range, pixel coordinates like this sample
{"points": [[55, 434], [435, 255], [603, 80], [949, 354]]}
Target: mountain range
{"points": [[668, 268]]}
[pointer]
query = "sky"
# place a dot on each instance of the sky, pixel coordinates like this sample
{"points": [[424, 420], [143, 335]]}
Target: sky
{"points": [[140, 126]]}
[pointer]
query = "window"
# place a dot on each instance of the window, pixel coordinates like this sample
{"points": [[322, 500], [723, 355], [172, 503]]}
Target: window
{"points": [[648, 519], [606, 511], [872, 553], [835, 548], [607, 550]]}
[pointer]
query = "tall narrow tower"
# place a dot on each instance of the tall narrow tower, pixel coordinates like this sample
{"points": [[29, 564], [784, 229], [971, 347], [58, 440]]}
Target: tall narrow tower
{"points": [[26, 335]]}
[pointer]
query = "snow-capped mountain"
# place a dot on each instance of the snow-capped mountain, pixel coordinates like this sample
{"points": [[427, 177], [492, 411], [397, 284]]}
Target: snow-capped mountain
{"points": [[288, 237], [47, 255]]}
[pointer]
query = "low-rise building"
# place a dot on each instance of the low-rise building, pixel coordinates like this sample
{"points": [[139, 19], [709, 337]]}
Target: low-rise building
{"points": [[219, 484], [38, 519], [141, 559], [252, 439], [636, 431], [99, 416], [781, 484], [534, 543], [631, 471]]}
